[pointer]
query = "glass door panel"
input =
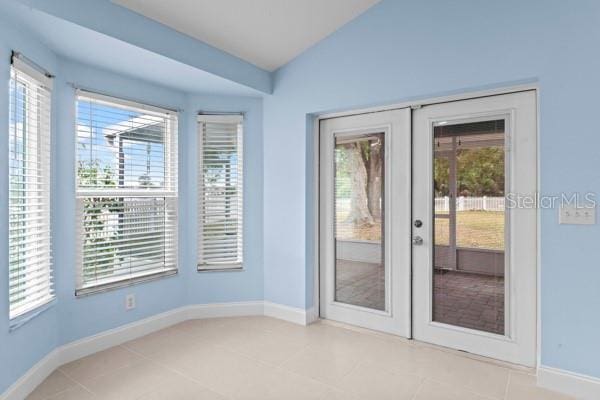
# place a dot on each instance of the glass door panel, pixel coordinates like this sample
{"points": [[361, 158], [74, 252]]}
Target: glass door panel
{"points": [[469, 182], [475, 260], [359, 220], [364, 220]]}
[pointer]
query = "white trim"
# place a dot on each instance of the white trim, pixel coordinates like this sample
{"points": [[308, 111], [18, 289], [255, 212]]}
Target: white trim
{"points": [[416, 103], [221, 310], [316, 306], [32, 378], [312, 315], [287, 313], [110, 100], [25, 67], [580, 386], [538, 233], [113, 337], [412, 103], [221, 118]]}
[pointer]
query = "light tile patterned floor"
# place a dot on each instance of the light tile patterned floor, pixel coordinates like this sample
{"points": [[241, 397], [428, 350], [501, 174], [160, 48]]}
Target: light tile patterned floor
{"points": [[264, 358]]}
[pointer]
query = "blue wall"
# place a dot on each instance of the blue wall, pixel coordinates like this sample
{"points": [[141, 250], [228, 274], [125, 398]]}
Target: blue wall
{"points": [[398, 50], [228, 286], [80, 317], [401, 50], [70, 318]]}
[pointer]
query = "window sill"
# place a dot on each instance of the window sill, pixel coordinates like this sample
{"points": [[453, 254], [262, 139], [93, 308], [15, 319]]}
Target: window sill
{"points": [[109, 286], [221, 268], [20, 320]]}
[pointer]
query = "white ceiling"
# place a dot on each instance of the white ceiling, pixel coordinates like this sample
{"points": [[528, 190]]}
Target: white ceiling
{"points": [[86, 46], [266, 33]]}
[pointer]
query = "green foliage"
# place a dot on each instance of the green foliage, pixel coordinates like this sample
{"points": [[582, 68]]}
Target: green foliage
{"points": [[96, 230], [480, 173]]}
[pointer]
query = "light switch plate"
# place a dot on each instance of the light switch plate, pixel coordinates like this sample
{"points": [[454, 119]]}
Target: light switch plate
{"points": [[576, 215]]}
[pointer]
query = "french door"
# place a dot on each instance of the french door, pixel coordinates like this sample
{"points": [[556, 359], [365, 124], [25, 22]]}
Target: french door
{"points": [[475, 249], [365, 220], [421, 237]]}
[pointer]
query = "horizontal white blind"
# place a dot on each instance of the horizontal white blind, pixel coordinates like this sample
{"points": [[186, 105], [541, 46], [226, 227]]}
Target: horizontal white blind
{"points": [[126, 192], [30, 259], [220, 192]]}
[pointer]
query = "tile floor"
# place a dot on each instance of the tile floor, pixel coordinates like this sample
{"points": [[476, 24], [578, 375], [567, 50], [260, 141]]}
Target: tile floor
{"points": [[264, 358]]}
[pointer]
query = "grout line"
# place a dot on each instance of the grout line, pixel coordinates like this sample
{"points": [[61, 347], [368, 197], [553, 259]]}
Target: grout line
{"points": [[463, 387], [417, 343], [351, 370], [310, 378], [105, 373], [507, 384], [421, 384], [180, 373], [279, 366], [75, 384], [303, 348]]}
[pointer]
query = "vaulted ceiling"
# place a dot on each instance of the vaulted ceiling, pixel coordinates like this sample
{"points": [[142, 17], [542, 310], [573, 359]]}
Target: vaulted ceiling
{"points": [[266, 33]]}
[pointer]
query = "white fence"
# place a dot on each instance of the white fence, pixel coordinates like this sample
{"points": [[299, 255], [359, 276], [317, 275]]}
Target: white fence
{"points": [[442, 204]]}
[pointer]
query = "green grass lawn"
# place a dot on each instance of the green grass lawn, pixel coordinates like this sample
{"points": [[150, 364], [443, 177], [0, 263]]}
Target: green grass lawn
{"points": [[475, 229]]}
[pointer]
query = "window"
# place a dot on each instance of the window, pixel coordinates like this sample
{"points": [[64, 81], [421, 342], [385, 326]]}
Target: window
{"points": [[220, 192], [126, 192], [30, 261]]}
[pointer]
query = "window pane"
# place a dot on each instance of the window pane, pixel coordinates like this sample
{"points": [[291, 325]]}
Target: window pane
{"points": [[121, 147], [30, 275], [127, 191], [469, 182], [220, 198], [127, 237], [359, 238]]}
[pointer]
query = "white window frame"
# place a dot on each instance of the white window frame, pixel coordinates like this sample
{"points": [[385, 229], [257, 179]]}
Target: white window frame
{"points": [[204, 264], [36, 267], [169, 193]]}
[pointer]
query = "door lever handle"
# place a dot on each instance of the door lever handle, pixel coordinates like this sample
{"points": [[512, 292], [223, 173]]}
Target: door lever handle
{"points": [[417, 241]]}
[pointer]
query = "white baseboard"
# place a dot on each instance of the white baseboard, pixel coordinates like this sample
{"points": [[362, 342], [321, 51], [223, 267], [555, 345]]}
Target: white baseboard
{"points": [[286, 313], [32, 378], [220, 310], [570, 383], [312, 315], [113, 337]]}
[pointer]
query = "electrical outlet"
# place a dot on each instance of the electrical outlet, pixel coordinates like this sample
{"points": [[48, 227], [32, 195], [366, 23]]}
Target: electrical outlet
{"points": [[130, 302]]}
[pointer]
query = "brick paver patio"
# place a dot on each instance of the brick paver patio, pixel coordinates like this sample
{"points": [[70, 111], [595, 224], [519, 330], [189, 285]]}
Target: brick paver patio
{"points": [[462, 299], [360, 284], [469, 300]]}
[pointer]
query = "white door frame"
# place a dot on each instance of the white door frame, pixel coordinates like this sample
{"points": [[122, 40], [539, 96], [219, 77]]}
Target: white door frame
{"points": [[313, 312]]}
